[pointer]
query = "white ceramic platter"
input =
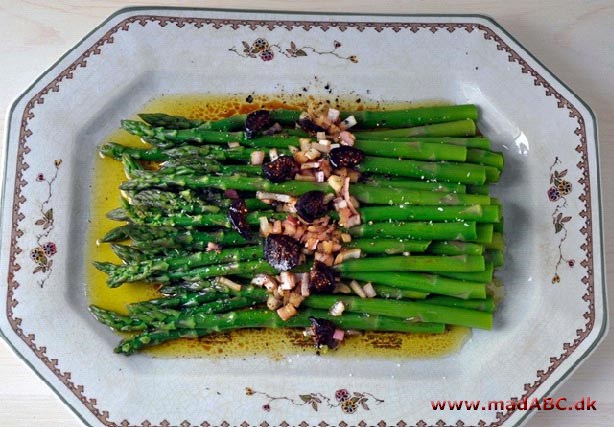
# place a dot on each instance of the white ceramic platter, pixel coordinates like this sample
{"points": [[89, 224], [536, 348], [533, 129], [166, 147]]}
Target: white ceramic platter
{"points": [[554, 313]]}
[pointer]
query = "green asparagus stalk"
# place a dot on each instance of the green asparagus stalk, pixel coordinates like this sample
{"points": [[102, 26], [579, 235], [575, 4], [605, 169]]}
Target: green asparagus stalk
{"points": [[485, 157], [484, 276], [495, 257], [389, 292], [414, 310], [484, 233], [455, 247], [419, 282], [414, 150], [362, 192], [496, 242], [409, 212], [479, 189], [388, 246], [486, 304], [118, 274], [459, 128], [417, 230], [413, 117], [382, 135], [455, 263], [465, 173], [170, 319], [132, 255], [268, 319], [216, 270]]}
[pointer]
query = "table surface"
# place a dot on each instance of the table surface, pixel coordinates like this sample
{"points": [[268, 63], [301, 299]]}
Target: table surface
{"points": [[573, 39]]}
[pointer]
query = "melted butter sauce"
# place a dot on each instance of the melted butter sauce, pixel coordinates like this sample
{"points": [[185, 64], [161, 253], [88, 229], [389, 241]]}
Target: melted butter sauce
{"points": [[276, 344]]}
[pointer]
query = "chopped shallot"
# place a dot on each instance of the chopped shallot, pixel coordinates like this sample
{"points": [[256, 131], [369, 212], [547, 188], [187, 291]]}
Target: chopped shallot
{"points": [[348, 122], [333, 115], [305, 143], [339, 334], [273, 303], [295, 299], [336, 183], [369, 291], [273, 154], [287, 311], [287, 280], [224, 281], [265, 227], [342, 288], [347, 138], [304, 279], [310, 165], [213, 247], [357, 289], [337, 309], [278, 197], [257, 157]]}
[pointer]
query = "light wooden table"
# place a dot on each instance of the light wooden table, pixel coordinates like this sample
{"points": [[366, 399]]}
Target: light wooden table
{"points": [[575, 39]]}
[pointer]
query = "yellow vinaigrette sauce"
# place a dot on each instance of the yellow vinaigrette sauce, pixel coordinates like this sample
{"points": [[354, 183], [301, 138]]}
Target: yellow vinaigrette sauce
{"points": [[274, 343]]}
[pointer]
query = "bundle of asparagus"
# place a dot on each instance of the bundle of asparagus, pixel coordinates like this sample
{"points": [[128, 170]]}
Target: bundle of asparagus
{"points": [[288, 219]]}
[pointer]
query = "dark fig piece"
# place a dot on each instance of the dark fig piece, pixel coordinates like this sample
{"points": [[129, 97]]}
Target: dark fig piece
{"points": [[237, 215], [345, 156], [321, 279], [282, 169], [309, 126], [282, 252], [322, 332], [257, 121], [310, 205]]}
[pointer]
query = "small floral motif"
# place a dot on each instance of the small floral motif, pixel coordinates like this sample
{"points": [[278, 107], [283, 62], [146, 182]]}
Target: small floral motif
{"points": [[349, 403], [261, 48], [42, 253], [560, 188], [342, 395]]}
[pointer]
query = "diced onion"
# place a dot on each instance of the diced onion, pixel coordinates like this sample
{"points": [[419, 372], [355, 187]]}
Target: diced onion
{"points": [[278, 197], [357, 289], [295, 299], [257, 157], [286, 312], [213, 247], [347, 138], [273, 303], [353, 220], [273, 154], [287, 281], [348, 122], [265, 227], [310, 165], [229, 284], [339, 334], [369, 291], [335, 182], [333, 114], [319, 176], [312, 154], [305, 143], [342, 288], [337, 309]]}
